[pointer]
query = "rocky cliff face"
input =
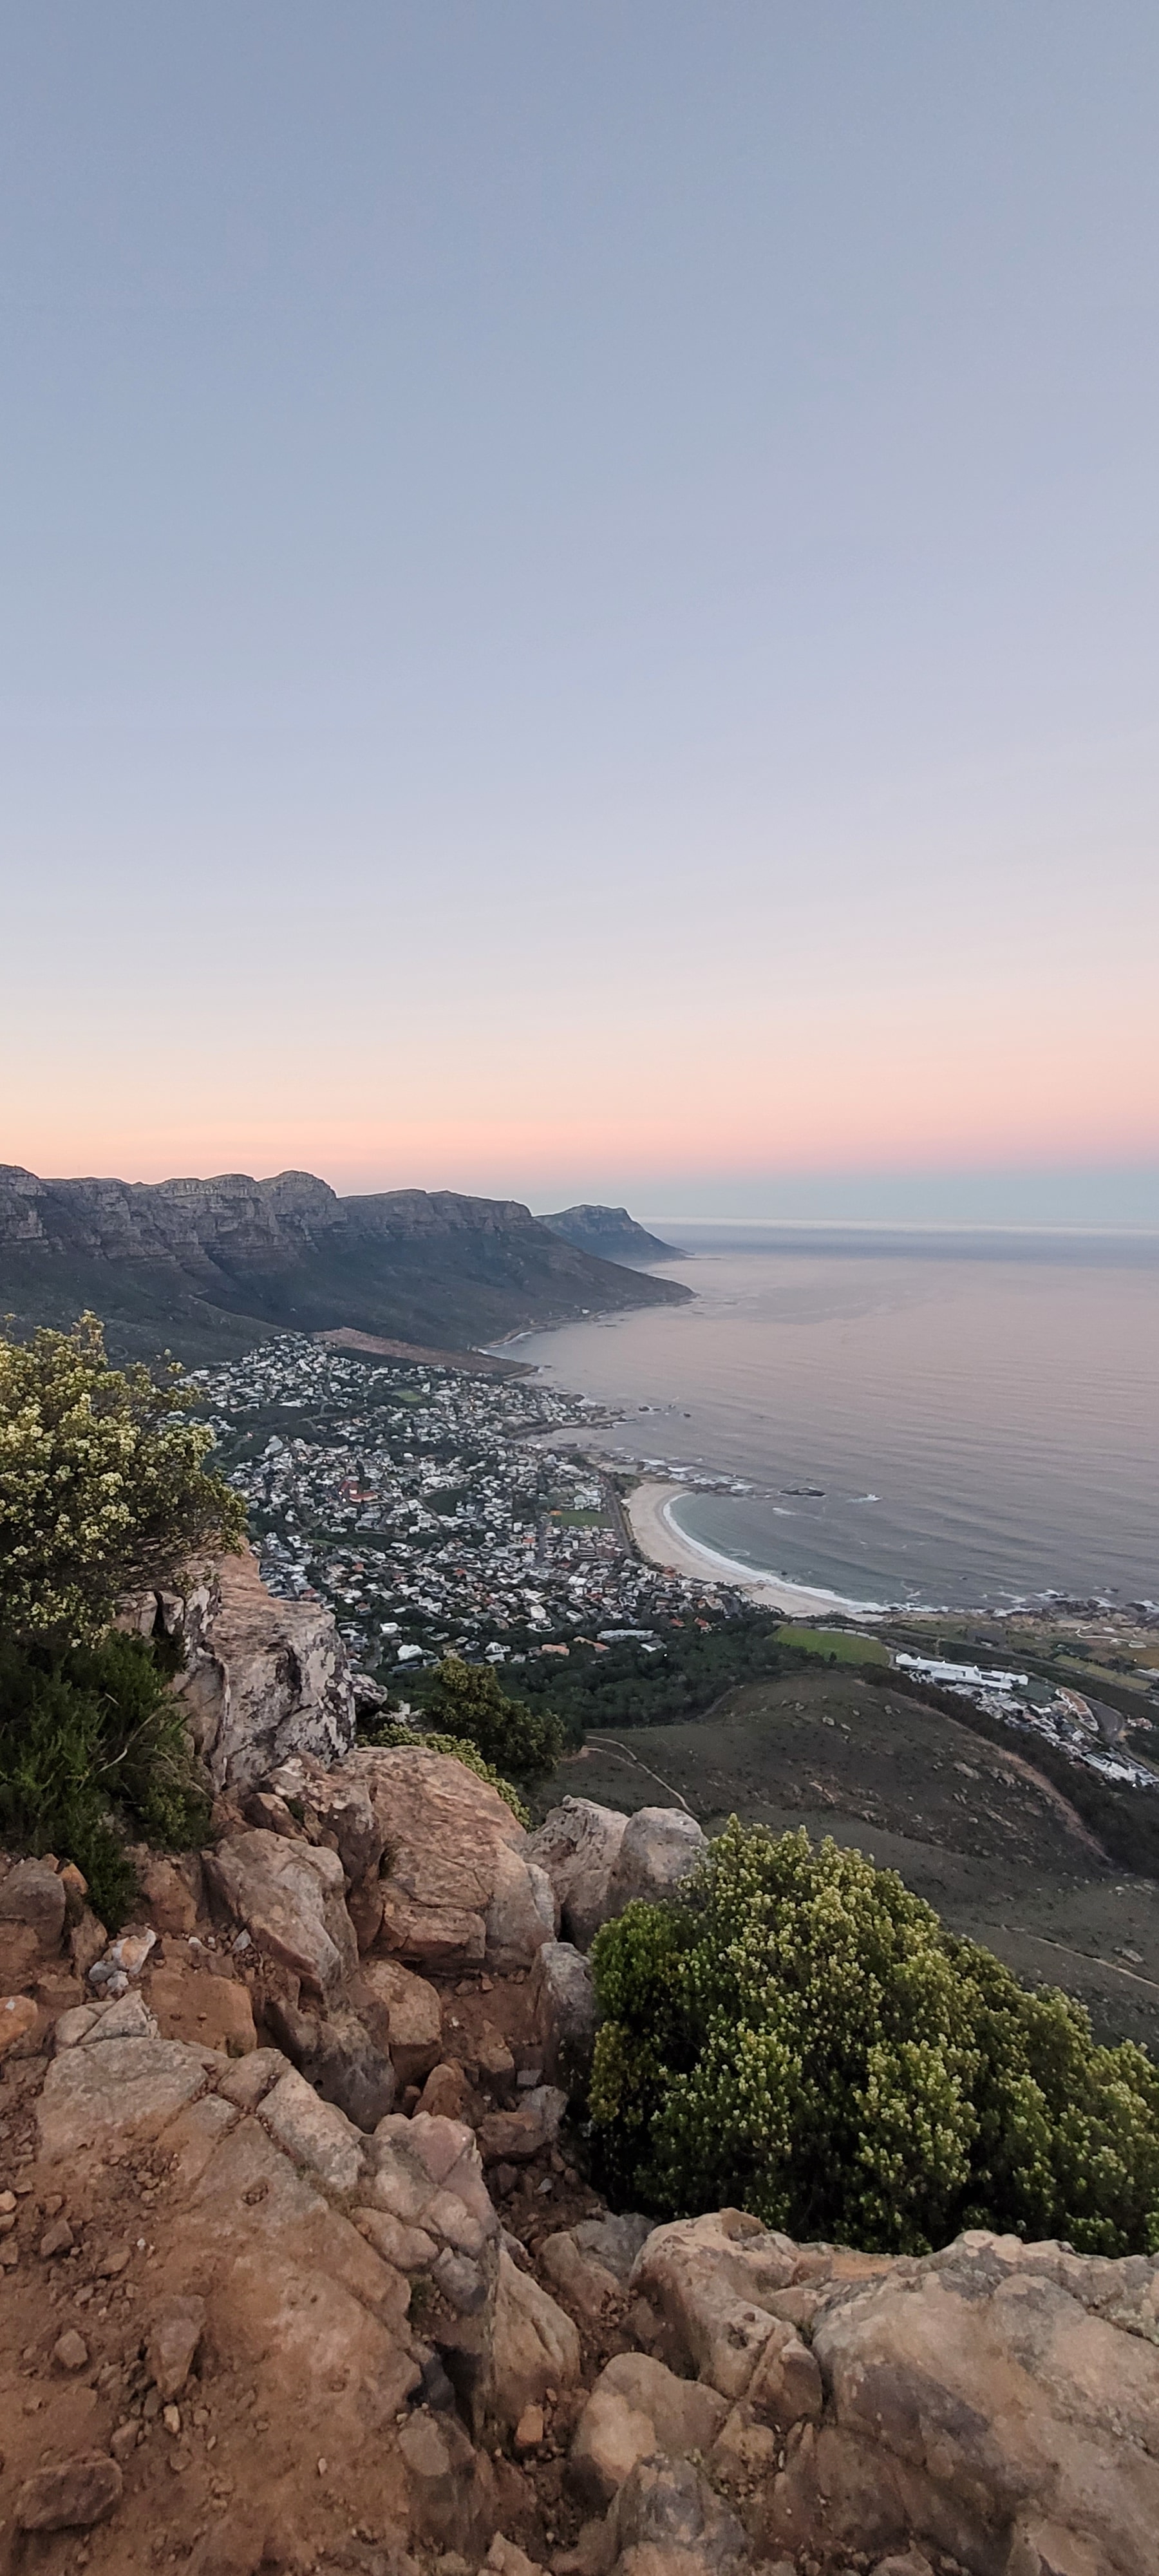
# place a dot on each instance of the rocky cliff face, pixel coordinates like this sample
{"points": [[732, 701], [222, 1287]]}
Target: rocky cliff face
{"points": [[262, 1678], [210, 1264], [301, 2273]]}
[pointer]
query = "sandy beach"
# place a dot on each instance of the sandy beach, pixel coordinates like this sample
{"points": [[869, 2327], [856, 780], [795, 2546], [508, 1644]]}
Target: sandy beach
{"points": [[649, 1511]]}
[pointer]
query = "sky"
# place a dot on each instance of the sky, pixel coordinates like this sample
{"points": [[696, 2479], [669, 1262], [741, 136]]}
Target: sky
{"points": [[579, 600]]}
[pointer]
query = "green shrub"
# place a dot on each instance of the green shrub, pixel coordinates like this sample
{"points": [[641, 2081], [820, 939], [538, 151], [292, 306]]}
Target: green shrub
{"points": [[801, 2037], [467, 1701], [389, 1733], [103, 1488], [93, 1751]]}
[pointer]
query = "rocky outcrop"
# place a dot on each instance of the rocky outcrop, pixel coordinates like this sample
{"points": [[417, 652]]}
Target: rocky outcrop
{"points": [[458, 1885], [290, 1897], [258, 2294], [660, 1848], [262, 1678], [578, 1845], [598, 1861]]}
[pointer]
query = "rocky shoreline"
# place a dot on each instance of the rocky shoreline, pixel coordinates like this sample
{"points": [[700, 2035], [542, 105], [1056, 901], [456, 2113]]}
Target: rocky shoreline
{"points": [[300, 2270]]}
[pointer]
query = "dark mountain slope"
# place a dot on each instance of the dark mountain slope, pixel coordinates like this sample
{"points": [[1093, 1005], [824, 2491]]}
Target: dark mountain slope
{"points": [[206, 1267], [610, 1233]]}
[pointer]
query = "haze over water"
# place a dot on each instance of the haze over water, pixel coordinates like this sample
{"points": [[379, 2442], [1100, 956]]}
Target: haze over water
{"points": [[980, 1411]]}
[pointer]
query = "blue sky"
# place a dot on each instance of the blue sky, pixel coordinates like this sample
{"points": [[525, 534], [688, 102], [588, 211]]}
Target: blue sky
{"points": [[580, 597]]}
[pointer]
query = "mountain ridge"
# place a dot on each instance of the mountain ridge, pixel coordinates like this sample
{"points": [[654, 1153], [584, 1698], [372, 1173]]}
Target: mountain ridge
{"points": [[205, 1267], [610, 1233]]}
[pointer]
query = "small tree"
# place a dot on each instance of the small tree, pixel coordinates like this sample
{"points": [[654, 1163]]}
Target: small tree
{"points": [[466, 1700], [103, 1487], [801, 2037]]}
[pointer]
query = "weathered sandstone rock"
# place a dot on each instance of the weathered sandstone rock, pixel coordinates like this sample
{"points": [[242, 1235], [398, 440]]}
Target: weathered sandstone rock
{"points": [[666, 2517], [336, 1807], [511, 2137], [316, 2135], [290, 1897], [451, 2489], [18, 2020], [578, 1845], [637, 2409], [34, 1894], [339, 2059], [411, 2023], [586, 2286], [175, 2331], [659, 1849], [72, 2497], [534, 2346], [564, 2005], [457, 1890], [263, 1678], [208, 2011], [173, 1891], [709, 2277], [132, 2085]]}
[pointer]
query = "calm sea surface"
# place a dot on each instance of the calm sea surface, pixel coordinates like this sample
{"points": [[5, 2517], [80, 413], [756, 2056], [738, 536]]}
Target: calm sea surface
{"points": [[980, 1412]]}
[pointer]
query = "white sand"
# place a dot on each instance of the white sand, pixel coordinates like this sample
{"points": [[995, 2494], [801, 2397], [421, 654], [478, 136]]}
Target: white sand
{"points": [[649, 1509]]}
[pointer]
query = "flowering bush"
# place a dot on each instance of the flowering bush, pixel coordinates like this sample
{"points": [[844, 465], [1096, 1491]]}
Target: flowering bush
{"points": [[801, 2037], [103, 1488]]}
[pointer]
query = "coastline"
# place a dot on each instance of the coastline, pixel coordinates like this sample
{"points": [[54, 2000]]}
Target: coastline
{"points": [[649, 1508]]}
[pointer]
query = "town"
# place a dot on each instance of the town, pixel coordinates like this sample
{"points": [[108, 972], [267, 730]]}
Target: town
{"points": [[427, 1507]]}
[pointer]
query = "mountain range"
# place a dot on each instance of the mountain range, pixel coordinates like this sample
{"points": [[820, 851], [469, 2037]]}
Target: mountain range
{"points": [[205, 1268]]}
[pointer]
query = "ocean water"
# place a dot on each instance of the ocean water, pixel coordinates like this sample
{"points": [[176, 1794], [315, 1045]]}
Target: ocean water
{"points": [[978, 1413]]}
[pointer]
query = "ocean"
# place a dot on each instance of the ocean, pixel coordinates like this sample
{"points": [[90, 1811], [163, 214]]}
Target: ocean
{"points": [[961, 1420]]}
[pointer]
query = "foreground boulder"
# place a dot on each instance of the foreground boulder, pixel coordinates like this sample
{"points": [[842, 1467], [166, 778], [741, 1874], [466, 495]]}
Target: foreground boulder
{"points": [[578, 1845], [458, 1887], [598, 1861], [290, 1897], [660, 1848], [996, 2403]]}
